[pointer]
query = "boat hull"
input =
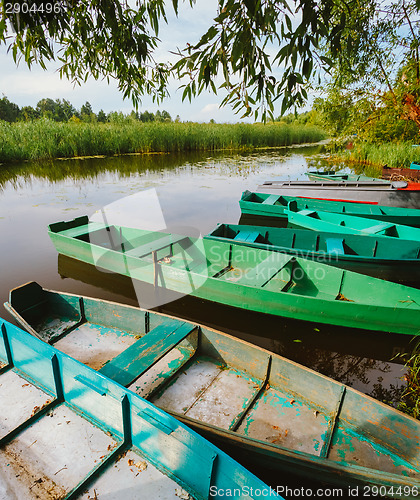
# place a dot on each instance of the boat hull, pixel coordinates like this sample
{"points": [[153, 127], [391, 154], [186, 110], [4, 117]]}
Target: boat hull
{"points": [[345, 192], [260, 205], [284, 415], [319, 220], [396, 261], [397, 173], [69, 432], [236, 281], [335, 177]]}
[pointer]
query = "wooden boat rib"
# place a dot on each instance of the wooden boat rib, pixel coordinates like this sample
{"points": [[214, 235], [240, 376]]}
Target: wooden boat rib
{"points": [[273, 205], [396, 194], [248, 278], [284, 415], [393, 259], [69, 432], [339, 223]]}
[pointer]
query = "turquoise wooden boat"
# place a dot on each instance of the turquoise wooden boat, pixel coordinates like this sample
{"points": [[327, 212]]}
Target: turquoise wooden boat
{"points": [[274, 205], [348, 224], [393, 259], [283, 415], [246, 278], [69, 432], [332, 176]]}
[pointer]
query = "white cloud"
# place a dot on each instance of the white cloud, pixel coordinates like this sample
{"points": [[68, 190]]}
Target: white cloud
{"points": [[35, 84], [210, 108], [27, 87]]}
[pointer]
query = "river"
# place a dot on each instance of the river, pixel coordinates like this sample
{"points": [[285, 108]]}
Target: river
{"points": [[195, 190]]}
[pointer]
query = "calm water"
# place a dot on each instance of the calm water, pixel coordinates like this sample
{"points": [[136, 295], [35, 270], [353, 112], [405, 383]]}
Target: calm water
{"points": [[194, 190]]}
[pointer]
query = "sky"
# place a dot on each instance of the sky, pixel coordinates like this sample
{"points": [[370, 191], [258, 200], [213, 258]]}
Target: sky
{"points": [[26, 87]]}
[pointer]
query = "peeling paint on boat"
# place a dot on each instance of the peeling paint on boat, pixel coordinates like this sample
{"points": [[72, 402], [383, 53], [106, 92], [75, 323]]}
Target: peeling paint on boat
{"points": [[94, 345], [285, 415], [69, 432]]}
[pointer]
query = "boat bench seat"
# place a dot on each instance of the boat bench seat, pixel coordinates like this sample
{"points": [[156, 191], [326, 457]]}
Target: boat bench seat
{"points": [[377, 228], [335, 246], [247, 236], [263, 272], [81, 230], [270, 200], [140, 356], [155, 245], [306, 212]]}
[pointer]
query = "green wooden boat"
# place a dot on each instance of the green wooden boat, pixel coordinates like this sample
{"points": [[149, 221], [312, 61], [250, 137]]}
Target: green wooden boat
{"points": [[393, 259], [274, 205], [332, 176], [68, 432], [348, 224], [283, 415], [246, 278]]}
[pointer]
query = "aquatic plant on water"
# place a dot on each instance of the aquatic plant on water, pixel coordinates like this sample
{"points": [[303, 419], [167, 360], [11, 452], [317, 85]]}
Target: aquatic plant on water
{"points": [[410, 398]]}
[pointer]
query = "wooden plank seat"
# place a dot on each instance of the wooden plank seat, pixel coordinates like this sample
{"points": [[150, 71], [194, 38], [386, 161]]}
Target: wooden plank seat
{"points": [[140, 356], [270, 200], [74, 232], [263, 272], [335, 246], [155, 245], [378, 228], [306, 212], [247, 236]]}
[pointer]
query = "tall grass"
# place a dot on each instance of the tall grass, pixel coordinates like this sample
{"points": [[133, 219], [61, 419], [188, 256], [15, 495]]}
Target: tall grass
{"points": [[48, 139], [410, 398], [375, 156]]}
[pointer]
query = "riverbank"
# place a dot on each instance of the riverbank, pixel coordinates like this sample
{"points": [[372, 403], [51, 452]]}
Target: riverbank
{"points": [[371, 158], [46, 139]]}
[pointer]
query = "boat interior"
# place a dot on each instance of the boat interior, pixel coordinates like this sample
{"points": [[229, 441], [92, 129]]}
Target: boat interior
{"points": [[211, 379], [220, 260], [322, 243], [66, 432]]}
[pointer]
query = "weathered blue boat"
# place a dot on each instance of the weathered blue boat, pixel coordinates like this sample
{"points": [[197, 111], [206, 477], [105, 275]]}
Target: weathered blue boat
{"points": [[387, 258], [283, 415], [67, 431], [338, 223], [263, 205]]}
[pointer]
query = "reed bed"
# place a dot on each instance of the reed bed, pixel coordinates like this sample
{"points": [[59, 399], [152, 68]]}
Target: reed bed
{"points": [[375, 156], [45, 139]]}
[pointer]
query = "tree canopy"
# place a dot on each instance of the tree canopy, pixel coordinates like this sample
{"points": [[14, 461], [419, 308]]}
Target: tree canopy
{"points": [[246, 46], [61, 110], [375, 86]]}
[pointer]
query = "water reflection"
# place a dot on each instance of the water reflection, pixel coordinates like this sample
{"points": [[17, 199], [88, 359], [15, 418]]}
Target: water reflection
{"points": [[22, 175]]}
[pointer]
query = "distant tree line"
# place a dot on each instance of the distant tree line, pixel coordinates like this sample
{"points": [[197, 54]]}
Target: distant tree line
{"points": [[61, 110]]}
